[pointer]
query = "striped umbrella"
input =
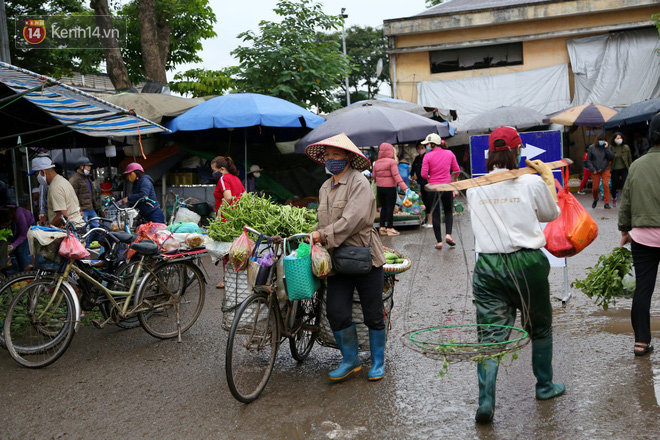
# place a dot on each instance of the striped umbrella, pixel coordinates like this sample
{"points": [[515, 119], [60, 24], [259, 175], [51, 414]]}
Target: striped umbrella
{"points": [[586, 115]]}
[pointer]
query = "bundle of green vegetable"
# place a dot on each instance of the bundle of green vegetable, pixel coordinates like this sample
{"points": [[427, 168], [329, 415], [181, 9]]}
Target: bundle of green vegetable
{"points": [[263, 215], [391, 258], [5, 234], [604, 282]]}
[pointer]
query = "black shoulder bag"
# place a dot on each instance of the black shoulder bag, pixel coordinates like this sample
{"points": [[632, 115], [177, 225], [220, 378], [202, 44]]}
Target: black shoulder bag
{"points": [[352, 260]]}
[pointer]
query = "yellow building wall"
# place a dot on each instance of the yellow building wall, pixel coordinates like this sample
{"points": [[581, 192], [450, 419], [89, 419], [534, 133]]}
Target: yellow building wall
{"points": [[414, 67]]}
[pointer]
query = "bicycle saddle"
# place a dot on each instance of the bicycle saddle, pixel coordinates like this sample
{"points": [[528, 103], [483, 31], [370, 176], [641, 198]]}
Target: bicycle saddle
{"points": [[145, 247], [122, 236]]}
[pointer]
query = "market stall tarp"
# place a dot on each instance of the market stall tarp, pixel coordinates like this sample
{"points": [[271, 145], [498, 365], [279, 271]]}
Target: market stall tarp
{"points": [[616, 68], [155, 106], [74, 108], [546, 90]]}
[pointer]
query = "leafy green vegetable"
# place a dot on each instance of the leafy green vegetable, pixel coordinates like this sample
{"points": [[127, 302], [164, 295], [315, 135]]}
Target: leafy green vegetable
{"points": [[604, 282], [5, 234], [263, 215]]}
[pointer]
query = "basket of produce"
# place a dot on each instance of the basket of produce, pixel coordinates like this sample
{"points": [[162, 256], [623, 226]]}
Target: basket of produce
{"points": [[395, 261], [327, 339], [262, 214]]}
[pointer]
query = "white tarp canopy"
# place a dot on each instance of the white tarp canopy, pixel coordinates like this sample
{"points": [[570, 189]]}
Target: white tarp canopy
{"points": [[545, 90], [618, 68]]}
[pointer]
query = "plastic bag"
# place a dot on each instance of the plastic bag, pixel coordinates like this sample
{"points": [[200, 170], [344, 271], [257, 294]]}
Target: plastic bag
{"points": [[321, 261], [194, 240], [240, 252], [73, 249], [185, 215], [573, 230], [187, 228]]}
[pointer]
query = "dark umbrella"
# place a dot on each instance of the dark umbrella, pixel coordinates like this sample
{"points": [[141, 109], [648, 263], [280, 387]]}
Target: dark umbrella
{"points": [[427, 112], [586, 115], [370, 126], [517, 117], [635, 113]]}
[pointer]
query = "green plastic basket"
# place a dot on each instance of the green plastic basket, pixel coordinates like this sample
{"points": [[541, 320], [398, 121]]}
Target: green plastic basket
{"points": [[300, 281]]}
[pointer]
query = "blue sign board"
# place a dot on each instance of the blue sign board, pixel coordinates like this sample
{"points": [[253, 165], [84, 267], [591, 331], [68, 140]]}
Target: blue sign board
{"points": [[542, 145]]}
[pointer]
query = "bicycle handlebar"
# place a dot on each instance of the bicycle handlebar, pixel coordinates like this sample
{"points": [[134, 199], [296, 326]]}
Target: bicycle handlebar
{"points": [[146, 199]]}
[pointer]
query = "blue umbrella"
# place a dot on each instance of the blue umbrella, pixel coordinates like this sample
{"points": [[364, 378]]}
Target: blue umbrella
{"points": [[242, 110], [635, 113], [370, 126], [246, 110]]}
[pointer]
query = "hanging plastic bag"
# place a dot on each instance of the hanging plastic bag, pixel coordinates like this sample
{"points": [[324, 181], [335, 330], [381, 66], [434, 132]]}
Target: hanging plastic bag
{"points": [[240, 252], [573, 230], [73, 249], [321, 261], [185, 215]]}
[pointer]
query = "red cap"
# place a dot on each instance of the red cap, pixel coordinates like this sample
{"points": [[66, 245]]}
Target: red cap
{"points": [[508, 134]]}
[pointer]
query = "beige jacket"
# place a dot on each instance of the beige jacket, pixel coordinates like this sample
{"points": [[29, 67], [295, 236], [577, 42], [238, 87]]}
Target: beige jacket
{"points": [[346, 214]]}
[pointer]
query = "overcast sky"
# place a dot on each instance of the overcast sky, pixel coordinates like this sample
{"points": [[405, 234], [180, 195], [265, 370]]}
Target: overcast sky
{"points": [[236, 16]]}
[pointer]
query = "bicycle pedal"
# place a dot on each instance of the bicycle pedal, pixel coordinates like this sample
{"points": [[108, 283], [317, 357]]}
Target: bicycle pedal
{"points": [[99, 325]]}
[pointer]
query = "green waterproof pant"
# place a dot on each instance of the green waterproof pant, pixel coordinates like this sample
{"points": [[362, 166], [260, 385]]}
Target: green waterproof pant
{"points": [[505, 283]]}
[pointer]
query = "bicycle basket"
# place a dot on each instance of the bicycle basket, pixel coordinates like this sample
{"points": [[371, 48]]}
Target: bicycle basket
{"points": [[300, 281]]}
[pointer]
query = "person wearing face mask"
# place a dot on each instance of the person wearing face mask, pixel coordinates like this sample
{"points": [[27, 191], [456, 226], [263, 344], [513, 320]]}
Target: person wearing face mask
{"points": [[62, 199], [347, 209], [229, 188], [143, 185], [620, 164], [416, 175], [598, 160], [81, 181], [253, 176], [386, 174], [440, 166]]}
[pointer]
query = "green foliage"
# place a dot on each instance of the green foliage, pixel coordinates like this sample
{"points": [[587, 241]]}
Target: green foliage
{"points": [[431, 3], [5, 234], [191, 21], [203, 82], [604, 281], [656, 17], [57, 62], [287, 61], [365, 46]]}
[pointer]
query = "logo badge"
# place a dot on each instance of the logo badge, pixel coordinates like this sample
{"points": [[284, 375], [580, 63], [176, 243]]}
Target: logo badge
{"points": [[34, 31]]}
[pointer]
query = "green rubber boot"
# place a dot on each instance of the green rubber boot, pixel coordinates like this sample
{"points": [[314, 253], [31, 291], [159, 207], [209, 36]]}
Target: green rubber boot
{"points": [[487, 374], [542, 366]]}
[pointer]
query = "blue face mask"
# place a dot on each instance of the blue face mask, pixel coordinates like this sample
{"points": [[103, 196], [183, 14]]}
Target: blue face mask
{"points": [[428, 148], [336, 166], [216, 175], [601, 143]]}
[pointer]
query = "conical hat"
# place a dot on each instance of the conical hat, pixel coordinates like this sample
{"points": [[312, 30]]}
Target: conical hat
{"points": [[317, 150]]}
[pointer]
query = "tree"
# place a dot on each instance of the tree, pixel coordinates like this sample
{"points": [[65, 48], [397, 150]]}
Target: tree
{"points": [[203, 82], [365, 46], [287, 60], [114, 62]]}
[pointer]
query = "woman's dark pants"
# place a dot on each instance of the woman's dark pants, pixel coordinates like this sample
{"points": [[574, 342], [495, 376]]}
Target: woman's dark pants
{"points": [[645, 260], [339, 303], [387, 198], [447, 200]]}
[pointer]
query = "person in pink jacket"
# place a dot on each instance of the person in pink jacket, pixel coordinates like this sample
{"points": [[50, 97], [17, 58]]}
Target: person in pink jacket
{"points": [[440, 166], [386, 174]]}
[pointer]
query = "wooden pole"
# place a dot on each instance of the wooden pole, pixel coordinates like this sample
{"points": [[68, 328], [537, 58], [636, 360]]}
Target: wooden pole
{"points": [[494, 177]]}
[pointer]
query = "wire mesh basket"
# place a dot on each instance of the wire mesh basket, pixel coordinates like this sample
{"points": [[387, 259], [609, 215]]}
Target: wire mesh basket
{"points": [[466, 342], [236, 291], [327, 339]]}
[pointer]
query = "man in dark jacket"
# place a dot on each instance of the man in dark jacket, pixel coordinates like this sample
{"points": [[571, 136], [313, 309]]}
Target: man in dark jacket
{"points": [[82, 185], [598, 160]]}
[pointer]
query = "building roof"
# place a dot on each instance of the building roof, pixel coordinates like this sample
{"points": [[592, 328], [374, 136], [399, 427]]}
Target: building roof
{"points": [[458, 6]]}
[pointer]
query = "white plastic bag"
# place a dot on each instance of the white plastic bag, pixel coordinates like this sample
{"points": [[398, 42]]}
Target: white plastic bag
{"points": [[186, 215]]}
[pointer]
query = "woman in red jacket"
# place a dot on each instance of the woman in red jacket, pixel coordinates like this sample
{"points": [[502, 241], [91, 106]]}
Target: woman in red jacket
{"points": [[386, 174]]}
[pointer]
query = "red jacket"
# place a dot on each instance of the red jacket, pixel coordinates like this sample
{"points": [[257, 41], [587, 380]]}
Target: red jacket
{"points": [[386, 170]]}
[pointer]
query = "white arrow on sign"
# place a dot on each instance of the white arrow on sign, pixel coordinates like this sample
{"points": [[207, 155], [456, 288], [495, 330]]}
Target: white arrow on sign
{"points": [[529, 151]]}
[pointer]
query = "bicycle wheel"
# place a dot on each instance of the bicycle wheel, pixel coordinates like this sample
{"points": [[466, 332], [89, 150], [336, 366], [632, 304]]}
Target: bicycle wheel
{"points": [[40, 324], [306, 325], [173, 297], [251, 348], [125, 273], [9, 288]]}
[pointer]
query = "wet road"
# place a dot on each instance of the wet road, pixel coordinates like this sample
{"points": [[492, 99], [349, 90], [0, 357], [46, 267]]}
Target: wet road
{"points": [[114, 383]]}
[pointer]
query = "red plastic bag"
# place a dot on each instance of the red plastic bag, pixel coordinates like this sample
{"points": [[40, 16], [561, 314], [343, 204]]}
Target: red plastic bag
{"points": [[147, 231], [240, 251], [321, 261], [72, 249], [573, 230]]}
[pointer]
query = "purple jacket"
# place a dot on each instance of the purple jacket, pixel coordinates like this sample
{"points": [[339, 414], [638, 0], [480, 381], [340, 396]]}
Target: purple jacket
{"points": [[24, 219]]}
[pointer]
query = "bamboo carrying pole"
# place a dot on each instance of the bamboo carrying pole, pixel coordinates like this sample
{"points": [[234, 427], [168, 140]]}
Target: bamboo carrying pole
{"points": [[494, 177]]}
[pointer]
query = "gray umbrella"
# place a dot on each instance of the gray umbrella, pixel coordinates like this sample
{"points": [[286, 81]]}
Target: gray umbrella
{"points": [[517, 117], [634, 113], [370, 126], [427, 112]]}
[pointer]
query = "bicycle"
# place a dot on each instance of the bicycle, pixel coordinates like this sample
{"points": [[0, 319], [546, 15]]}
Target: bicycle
{"points": [[261, 324], [43, 317], [127, 216]]}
